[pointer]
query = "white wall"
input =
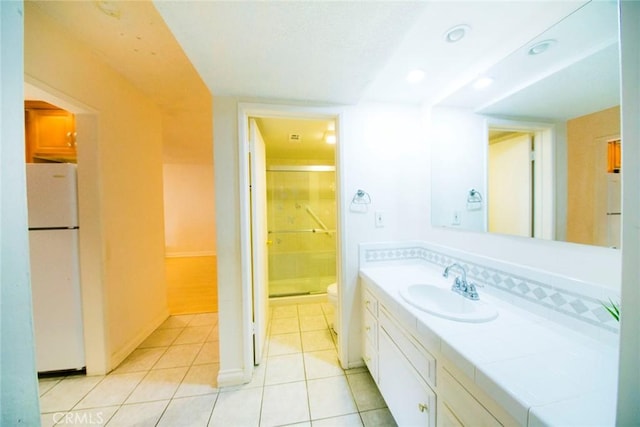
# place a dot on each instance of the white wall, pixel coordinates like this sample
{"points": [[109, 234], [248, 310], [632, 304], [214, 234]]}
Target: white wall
{"points": [[230, 296], [384, 152], [629, 375], [18, 383], [458, 140]]}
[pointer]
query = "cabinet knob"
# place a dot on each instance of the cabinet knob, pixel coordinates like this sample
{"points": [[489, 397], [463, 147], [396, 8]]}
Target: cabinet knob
{"points": [[367, 302], [423, 407], [367, 328]]}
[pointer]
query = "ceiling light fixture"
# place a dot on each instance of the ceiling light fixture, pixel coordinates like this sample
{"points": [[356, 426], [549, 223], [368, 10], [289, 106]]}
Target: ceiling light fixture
{"points": [[482, 83], [415, 76], [457, 33], [330, 137], [541, 47]]}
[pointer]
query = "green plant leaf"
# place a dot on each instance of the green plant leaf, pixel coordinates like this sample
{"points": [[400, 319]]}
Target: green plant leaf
{"points": [[613, 309]]}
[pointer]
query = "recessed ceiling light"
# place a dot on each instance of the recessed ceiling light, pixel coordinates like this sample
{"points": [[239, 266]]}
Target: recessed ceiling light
{"points": [[415, 76], [482, 83], [330, 137], [456, 33], [541, 47]]}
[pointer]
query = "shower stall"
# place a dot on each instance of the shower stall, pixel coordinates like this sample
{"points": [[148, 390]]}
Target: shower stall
{"points": [[301, 219]]}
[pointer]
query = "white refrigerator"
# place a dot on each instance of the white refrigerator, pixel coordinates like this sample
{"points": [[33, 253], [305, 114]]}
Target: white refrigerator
{"points": [[55, 278]]}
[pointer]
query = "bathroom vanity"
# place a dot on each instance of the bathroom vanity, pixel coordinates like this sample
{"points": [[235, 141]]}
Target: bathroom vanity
{"points": [[519, 368]]}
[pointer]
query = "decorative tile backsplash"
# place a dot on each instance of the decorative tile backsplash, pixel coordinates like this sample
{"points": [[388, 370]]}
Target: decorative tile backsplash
{"points": [[573, 304]]}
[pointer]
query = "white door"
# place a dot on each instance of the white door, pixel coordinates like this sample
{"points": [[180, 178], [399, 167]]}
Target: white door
{"points": [[510, 187], [259, 238]]}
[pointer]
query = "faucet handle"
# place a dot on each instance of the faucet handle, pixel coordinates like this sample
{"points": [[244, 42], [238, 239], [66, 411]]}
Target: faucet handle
{"points": [[458, 285], [472, 292]]}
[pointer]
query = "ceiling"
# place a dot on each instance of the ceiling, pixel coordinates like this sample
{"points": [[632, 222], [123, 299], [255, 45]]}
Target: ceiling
{"points": [[311, 148], [350, 51], [579, 74], [338, 52]]}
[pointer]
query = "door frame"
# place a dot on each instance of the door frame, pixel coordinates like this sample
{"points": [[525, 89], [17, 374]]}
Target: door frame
{"points": [[246, 111], [259, 238]]}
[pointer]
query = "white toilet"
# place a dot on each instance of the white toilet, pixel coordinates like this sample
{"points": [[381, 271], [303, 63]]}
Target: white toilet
{"points": [[332, 297]]}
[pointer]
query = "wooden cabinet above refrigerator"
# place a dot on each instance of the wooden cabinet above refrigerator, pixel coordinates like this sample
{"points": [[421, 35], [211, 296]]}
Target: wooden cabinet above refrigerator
{"points": [[50, 133]]}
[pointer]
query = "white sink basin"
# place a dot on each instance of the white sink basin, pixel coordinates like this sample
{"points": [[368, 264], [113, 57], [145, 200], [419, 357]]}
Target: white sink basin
{"points": [[447, 304]]}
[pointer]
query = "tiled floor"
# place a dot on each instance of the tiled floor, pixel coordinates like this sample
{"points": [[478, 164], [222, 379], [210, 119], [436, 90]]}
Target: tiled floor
{"points": [[170, 380]]}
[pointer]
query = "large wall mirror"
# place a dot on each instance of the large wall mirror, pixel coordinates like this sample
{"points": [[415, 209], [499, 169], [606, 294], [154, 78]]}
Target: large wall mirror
{"points": [[537, 152]]}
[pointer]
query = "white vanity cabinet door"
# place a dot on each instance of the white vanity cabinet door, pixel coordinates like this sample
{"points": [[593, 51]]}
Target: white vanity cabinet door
{"points": [[457, 407], [410, 400], [423, 362]]}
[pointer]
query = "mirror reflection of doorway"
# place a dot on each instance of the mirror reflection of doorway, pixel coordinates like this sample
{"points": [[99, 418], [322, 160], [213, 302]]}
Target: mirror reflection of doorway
{"points": [[521, 179], [510, 183]]}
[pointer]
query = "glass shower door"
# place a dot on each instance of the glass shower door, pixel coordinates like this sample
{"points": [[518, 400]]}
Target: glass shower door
{"points": [[301, 220]]}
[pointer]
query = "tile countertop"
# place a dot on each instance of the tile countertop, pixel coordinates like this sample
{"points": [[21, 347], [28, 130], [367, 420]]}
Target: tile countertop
{"points": [[541, 372]]}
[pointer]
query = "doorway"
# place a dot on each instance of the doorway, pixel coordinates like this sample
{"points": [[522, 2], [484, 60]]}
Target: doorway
{"points": [[520, 179], [511, 182], [301, 205], [91, 281], [310, 216]]}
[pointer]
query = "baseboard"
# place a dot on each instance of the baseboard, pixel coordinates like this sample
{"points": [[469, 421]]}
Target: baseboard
{"points": [[301, 299], [118, 357], [356, 364], [231, 377]]}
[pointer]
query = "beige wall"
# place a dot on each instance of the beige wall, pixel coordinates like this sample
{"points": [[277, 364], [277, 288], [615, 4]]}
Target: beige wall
{"points": [[190, 233], [120, 180], [189, 209], [587, 166]]}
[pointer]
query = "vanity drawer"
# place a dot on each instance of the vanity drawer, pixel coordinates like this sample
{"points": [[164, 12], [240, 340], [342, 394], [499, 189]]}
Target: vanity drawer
{"points": [[418, 356], [459, 407], [370, 328], [370, 303]]}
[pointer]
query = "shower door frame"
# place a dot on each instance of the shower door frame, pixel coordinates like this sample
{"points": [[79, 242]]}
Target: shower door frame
{"points": [[252, 110]]}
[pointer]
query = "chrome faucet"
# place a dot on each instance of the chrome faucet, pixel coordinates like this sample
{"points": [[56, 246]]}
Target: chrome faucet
{"points": [[460, 284]]}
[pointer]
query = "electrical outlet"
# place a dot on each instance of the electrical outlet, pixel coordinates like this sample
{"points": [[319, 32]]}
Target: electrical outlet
{"points": [[456, 220], [379, 219]]}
